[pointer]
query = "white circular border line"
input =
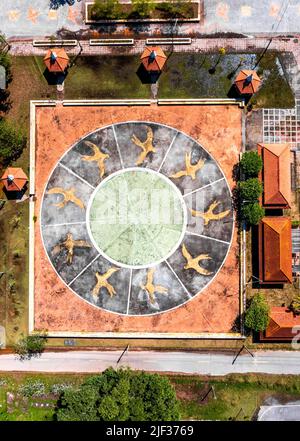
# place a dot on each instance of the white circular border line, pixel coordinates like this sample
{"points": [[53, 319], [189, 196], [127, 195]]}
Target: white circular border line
{"points": [[142, 170]]}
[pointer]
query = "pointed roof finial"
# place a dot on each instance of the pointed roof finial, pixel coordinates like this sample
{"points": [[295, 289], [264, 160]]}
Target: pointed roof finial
{"points": [[10, 178], [53, 56], [152, 56]]}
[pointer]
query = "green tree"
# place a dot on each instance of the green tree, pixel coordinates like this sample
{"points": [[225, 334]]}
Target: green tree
{"points": [[252, 213], [176, 8], [295, 305], [120, 395], [257, 315], [251, 164], [12, 142], [142, 8], [30, 346], [78, 405], [106, 10], [250, 190]]}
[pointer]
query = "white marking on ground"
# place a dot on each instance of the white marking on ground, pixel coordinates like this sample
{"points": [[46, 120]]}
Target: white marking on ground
{"points": [[75, 174], [204, 186], [118, 147], [167, 152], [129, 290], [84, 269], [179, 280], [207, 237]]}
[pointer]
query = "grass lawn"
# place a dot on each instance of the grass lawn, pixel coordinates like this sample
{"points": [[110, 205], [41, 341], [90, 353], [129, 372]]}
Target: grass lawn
{"points": [[28, 83], [237, 396], [105, 77], [188, 76]]}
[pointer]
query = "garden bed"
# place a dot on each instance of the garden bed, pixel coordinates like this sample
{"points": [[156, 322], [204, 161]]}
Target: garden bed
{"points": [[160, 13]]}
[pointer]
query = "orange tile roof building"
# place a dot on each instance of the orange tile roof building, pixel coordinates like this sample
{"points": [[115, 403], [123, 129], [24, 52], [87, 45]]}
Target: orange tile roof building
{"points": [[275, 175], [247, 82], [14, 179], [56, 60], [153, 58], [281, 325], [275, 250]]}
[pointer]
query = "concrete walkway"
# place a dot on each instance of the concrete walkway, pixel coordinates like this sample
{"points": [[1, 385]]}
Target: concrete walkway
{"points": [[272, 362], [20, 18]]}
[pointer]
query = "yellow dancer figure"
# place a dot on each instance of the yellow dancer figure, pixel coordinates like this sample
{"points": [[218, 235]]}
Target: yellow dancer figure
{"points": [[209, 215], [68, 195], [193, 262], [103, 283], [190, 169], [98, 156], [151, 289], [146, 146], [69, 244]]}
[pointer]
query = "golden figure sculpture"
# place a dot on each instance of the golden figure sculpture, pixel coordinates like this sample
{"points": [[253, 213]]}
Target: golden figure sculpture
{"points": [[98, 156], [103, 283], [190, 169], [209, 215], [69, 244], [152, 289], [193, 262], [146, 146], [68, 195]]}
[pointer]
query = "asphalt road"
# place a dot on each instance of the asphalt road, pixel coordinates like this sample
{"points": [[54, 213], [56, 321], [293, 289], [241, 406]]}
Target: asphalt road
{"points": [[272, 362]]}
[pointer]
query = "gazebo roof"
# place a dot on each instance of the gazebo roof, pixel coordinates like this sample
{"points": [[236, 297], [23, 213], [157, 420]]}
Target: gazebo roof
{"points": [[14, 179], [153, 58], [247, 82], [56, 60]]}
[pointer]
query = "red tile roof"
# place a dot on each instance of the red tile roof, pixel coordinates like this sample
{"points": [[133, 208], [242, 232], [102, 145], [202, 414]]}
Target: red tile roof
{"points": [[14, 179], [153, 58], [281, 324], [276, 175], [56, 60], [275, 250], [247, 82]]}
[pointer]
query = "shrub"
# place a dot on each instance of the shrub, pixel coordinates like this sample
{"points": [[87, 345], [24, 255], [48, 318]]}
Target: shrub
{"points": [[57, 389], [32, 388], [295, 305], [257, 315], [176, 8], [120, 395], [142, 8], [12, 142], [250, 190], [251, 164], [252, 213], [106, 10], [30, 346]]}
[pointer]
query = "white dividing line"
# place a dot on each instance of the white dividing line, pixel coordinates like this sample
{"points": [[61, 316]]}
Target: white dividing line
{"points": [[201, 188], [181, 283], [76, 175], [207, 237], [129, 290], [84, 269], [118, 147], [61, 225], [167, 152]]}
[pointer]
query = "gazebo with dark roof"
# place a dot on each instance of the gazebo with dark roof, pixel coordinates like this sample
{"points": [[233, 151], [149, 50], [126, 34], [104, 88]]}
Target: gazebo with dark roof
{"points": [[153, 59], [247, 82], [14, 179], [56, 60]]}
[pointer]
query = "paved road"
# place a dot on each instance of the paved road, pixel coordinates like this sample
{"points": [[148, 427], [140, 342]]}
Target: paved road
{"points": [[273, 362], [284, 412], [36, 18]]}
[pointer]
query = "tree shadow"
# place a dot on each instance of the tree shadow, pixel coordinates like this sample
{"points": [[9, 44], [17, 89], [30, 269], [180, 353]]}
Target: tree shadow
{"points": [[54, 79], [5, 103], [147, 77], [55, 4]]}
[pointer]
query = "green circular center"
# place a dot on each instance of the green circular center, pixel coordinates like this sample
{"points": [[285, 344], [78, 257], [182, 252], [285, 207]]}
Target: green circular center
{"points": [[136, 218]]}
